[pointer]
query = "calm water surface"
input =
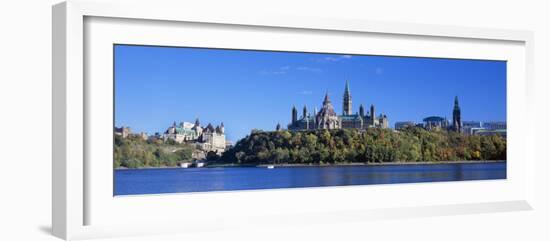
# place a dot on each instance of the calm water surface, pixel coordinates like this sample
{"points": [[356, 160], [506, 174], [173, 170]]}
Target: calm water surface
{"points": [[151, 181]]}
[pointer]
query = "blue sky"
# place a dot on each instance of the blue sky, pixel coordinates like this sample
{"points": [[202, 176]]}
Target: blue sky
{"points": [[155, 86]]}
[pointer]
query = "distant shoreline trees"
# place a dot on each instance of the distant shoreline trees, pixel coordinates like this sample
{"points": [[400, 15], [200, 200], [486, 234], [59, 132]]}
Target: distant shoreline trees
{"points": [[342, 146], [373, 145]]}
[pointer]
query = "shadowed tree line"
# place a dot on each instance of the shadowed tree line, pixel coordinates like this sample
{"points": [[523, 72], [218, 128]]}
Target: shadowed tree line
{"points": [[363, 146]]}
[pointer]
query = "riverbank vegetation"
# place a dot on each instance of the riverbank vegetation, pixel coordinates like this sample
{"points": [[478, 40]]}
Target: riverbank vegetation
{"points": [[134, 152], [363, 146]]}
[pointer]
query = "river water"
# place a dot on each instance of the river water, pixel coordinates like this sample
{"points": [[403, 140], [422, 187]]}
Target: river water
{"points": [[175, 180]]}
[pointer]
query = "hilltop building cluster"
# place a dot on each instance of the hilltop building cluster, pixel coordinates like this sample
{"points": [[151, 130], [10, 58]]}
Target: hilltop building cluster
{"points": [[208, 138], [457, 125], [327, 118]]}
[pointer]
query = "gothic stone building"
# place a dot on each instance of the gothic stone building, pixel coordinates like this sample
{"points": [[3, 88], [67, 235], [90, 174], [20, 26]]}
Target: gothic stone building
{"points": [[327, 118]]}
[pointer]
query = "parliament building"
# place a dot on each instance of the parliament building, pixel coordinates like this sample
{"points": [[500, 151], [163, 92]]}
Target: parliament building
{"points": [[327, 118]]}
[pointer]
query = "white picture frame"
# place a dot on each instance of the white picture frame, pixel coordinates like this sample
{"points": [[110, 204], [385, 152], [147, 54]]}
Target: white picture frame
{"points": [[82, 208]]}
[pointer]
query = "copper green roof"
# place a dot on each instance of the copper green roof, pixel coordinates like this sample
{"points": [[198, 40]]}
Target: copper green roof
{"points": [[349, 117], [434, 118], [180, 130]]}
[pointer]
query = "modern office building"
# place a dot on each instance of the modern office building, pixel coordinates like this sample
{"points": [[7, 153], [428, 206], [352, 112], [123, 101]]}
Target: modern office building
{"points": [[435, 123], [403, 124]]}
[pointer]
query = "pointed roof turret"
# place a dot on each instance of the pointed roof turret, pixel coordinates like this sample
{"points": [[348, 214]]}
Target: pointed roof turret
{"points": [[294, 114], [361, 110], [327, 108], [210, 128], [327, 99], [346, 92]]}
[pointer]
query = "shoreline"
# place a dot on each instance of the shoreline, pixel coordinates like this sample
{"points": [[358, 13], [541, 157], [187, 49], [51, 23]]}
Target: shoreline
{"points": [[384, 163], [326, 165]]}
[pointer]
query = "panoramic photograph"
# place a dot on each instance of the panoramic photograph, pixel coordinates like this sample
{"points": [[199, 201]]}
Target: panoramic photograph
{"points": [[192, 119]]}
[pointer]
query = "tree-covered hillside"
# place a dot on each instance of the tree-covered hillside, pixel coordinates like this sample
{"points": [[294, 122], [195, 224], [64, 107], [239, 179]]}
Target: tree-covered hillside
{"points": [[134, 152], [355, 146]]}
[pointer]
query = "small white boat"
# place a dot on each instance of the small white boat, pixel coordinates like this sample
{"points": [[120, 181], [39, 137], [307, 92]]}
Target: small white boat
{"points": [[184, 165], [200, 164], [270, 166]]}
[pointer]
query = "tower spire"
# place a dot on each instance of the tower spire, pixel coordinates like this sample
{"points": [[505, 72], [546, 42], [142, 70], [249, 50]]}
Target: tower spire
{"points": [[457, 120], [346, 110]]}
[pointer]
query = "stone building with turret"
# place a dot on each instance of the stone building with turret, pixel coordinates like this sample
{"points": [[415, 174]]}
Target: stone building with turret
{"points": [[122, 131], [327, 118], [213, 138], [207, 138], [183, 132]]}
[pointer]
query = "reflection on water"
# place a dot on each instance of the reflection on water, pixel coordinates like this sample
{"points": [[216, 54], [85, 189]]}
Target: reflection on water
{"points": [[151, 181]]}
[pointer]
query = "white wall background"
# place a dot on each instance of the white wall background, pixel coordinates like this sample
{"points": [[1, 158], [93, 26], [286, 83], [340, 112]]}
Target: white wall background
{"points": [[25, 119]]}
